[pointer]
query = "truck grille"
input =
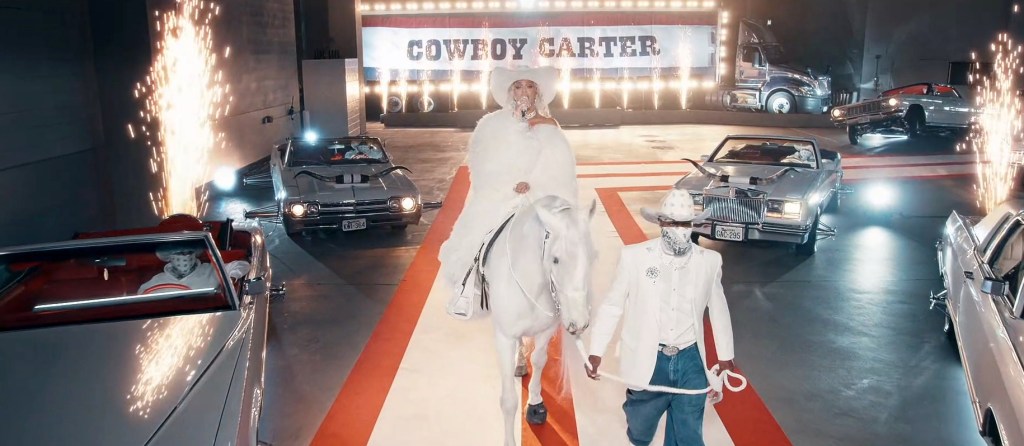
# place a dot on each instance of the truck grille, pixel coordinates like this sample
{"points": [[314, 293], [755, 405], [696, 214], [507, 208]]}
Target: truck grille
{"points": [[353, 207], [864, 108], [741, 206]]}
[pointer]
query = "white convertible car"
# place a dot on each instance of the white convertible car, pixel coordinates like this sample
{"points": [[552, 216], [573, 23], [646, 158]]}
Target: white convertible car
{"points": [[980, 261], [771, 188], [347, 183], [100, 348], [912, 109]]}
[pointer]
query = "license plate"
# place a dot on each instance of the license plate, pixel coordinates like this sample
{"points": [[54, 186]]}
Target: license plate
{"points": [[353, 225], [859, 120], [731, 233]]}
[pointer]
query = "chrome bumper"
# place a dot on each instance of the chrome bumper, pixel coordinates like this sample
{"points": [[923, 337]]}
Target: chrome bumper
{"points": [[771, 232], [333, 220], [870, 119]]}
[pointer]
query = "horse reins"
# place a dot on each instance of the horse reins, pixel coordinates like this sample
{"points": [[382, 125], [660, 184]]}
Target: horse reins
{"points": [[551, 279]]}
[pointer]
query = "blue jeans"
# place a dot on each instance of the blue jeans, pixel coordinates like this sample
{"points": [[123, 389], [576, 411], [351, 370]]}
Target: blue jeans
{"points": [[685, 423]]}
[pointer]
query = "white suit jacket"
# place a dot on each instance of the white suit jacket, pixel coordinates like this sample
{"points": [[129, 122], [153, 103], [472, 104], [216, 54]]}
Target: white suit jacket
{"points": [[635, 297]]}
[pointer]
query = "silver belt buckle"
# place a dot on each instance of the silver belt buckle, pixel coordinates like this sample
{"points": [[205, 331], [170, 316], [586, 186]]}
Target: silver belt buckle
{"points": [[670, 350]]}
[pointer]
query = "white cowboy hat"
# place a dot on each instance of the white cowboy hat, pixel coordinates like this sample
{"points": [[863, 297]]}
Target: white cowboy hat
{"points": [[676, 206], [546, 79], [165, 252]]}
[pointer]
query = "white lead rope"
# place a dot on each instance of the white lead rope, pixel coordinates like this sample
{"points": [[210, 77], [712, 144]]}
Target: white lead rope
{"points": [[717, 381]]}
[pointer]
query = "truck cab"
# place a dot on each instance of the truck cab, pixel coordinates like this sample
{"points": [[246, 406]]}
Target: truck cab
{"points": [[766, 81]]}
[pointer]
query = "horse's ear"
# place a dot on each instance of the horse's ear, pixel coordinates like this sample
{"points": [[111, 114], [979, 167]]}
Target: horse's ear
{"points": [[592, 210], [547, 218]]}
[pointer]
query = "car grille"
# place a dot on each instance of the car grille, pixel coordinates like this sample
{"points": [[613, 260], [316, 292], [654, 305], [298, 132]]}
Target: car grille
{"points": [[739, 207], [864, 108], [353, 207]]}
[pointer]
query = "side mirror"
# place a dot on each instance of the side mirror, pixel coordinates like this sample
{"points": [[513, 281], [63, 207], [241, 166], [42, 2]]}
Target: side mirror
{"points": [[254, 286], [705, 157], [993, 287]]}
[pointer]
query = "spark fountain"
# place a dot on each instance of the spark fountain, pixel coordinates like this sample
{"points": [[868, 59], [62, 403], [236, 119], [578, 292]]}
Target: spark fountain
{"points": [[183, 96], [998, 125]]}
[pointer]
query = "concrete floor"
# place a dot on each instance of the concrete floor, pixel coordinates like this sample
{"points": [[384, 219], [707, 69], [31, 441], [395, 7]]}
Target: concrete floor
{"points": [[840, 346]]}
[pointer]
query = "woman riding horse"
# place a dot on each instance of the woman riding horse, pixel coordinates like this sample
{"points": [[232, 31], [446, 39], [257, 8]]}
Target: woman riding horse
{"points": [[516, 150]]}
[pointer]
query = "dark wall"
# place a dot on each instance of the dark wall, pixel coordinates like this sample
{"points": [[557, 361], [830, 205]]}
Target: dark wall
{"points": [[68, 69], [263, 72], [917, 39], [48, 121], [819, 34]]}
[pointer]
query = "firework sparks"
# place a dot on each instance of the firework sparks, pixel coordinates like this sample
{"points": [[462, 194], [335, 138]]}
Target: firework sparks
{"points": [[184, 93], [998, 125]]}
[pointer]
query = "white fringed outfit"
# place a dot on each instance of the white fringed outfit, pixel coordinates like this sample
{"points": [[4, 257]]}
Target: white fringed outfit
{"points": [[504, 151]]}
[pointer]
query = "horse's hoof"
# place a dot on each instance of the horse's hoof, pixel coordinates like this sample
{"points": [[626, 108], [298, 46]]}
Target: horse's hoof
{"points": [[520, 371], [536, 413]]}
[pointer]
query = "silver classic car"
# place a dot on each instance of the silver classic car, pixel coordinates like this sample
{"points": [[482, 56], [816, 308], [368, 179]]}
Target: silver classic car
{"points": [[772, 188], [980, 261], [347, 183], [912, 109], [99, 347]]}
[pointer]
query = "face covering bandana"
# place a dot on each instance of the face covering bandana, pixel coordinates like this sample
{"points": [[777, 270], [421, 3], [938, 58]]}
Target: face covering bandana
{"points": [[183, 265], [676, 241]]}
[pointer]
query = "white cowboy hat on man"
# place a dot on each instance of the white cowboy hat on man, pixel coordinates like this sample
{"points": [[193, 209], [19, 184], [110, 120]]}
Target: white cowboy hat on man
{"points": [[676, 206], [546, 79]]}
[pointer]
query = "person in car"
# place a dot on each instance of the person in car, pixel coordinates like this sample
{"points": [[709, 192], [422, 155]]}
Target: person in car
{"points": [[184, 270]]}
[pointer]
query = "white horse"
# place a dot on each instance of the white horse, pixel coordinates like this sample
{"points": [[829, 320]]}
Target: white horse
{"points": [[538, 275]]}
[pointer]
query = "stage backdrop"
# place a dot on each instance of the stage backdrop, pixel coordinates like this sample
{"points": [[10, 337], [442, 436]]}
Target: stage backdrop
{"points": [[417, 47]]}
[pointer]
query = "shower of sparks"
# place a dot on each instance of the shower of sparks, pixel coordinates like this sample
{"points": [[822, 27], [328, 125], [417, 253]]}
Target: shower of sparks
{"points": [[685, 62], [184, 95], [171, 354], [998, 124]]}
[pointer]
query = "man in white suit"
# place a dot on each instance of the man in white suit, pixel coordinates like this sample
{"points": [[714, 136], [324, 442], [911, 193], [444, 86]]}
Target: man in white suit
{"points": [[661, 290]]}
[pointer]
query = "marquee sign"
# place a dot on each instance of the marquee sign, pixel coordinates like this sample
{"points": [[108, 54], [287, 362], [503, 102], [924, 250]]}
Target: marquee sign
{"points": [[637, 42]]}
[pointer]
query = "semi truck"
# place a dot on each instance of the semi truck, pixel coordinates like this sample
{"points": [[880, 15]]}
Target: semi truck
{"points": [[763, 77]]}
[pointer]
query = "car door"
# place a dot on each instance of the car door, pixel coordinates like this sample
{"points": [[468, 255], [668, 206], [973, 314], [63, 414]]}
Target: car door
{"points": [[751, 70], [955, 110], [981, 312], [972, 306]]}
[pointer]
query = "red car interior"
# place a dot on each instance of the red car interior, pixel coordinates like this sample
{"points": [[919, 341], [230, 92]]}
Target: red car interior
{"points": [[77, 279]]}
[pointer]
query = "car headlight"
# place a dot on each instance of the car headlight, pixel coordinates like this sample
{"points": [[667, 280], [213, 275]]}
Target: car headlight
{"points": [[784, 209], [297, 209], [837, 112], [792, 209], [402, 204], [312, 209], [893, 102], [698, 202], [408, 204]]}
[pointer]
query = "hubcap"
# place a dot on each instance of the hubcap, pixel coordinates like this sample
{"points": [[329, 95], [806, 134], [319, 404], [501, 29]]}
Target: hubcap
{"points": [[781, 105]]}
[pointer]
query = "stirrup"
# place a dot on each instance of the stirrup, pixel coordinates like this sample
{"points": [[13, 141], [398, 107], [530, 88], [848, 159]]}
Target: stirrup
{"points": [[461, 307]]}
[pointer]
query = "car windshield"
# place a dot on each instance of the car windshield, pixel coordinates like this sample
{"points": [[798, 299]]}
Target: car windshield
{"points": [[766, 151], [331, 152], [102, 281]]}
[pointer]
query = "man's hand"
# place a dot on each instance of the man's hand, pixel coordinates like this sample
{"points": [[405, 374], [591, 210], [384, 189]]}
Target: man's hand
{"points": [[522, 188], [541, 120], [595, 362], [723, 366]]}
